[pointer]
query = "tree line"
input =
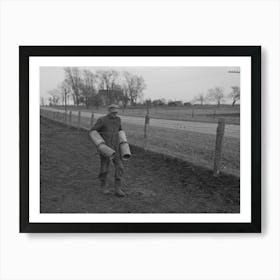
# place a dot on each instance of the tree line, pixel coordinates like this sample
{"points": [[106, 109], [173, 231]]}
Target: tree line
{"points": [[105, 87], [214, 95], [98, 88], [217, 96]]}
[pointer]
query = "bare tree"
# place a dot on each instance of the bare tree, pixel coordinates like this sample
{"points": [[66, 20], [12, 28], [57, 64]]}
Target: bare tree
{"points": [[109, 84], [135, 86], [73, 79], [125, 96], [235, 95], [55, 96], [216, 95], [107, 79], [200, 98], [63, 89], [88, 86], [50, 101]]}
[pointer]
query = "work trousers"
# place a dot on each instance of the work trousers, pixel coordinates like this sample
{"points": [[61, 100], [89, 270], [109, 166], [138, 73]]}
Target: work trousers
{"points": [[104, 169]]}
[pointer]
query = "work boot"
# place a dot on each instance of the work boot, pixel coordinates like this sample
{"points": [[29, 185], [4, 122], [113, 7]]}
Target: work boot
{"points": [[105, 188], [119, 192]]}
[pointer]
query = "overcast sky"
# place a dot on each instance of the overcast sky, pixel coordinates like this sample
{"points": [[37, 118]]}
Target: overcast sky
{"points": [[171, 83]]}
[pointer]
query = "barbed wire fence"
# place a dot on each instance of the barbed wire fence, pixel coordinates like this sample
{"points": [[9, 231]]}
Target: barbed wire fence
{"points": [[148, 137]]}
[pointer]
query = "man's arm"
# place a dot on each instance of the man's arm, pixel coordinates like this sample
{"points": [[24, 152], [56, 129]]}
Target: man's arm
{"points": [[98, 125]]}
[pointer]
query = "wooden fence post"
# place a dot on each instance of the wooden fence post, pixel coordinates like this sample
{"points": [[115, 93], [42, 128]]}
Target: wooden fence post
{"points": [[146, 125], [70, 117], [79, 120], [147, 121], [91, 120], [214, 114], [219, 146]]}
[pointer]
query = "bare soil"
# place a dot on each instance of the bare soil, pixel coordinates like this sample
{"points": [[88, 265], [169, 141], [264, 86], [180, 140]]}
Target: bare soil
{"points": [[154, 183]]}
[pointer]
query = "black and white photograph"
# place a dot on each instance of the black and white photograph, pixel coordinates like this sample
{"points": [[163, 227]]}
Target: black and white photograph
{"points": [[142, 138]]}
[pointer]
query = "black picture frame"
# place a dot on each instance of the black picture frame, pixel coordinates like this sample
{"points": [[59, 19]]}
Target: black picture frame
{"points": [[25, 52]]}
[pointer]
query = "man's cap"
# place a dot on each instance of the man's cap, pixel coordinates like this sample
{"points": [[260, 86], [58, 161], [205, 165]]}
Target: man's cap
{"points": [[113, 107]]}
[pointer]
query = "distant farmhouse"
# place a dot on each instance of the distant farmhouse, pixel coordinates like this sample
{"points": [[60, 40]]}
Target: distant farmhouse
{"points": [[175, 103]]}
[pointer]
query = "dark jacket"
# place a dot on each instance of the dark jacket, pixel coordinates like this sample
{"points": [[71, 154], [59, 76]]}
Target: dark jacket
{"points": [[109, 127]]}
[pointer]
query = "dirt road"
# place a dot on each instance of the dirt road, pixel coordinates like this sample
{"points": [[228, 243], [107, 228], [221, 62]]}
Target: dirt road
{"points": [[231, 130]]}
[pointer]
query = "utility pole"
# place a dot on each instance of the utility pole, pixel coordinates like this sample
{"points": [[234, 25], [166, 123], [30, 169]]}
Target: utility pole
{"points": [[65, 100]]}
